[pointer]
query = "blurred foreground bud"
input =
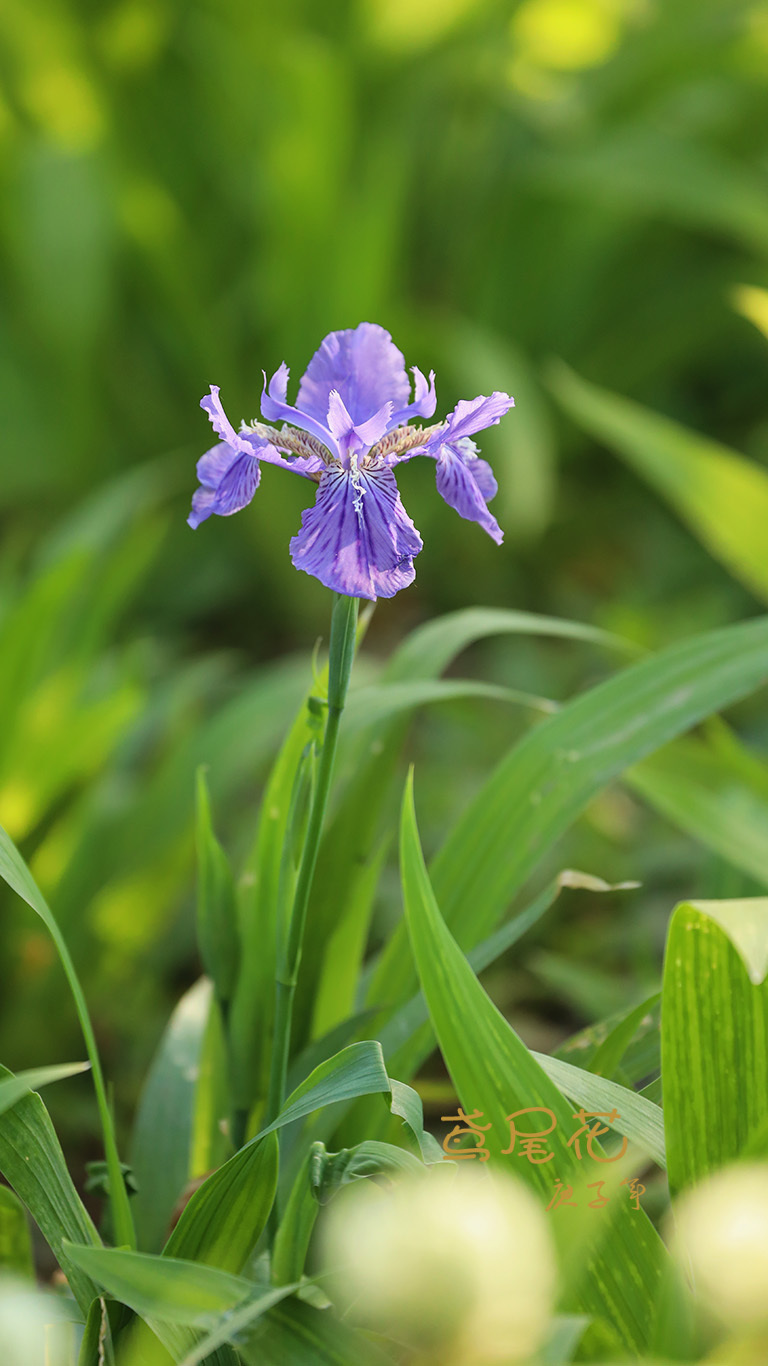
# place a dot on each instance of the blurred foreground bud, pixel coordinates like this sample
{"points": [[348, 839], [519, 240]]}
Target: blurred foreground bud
{"points": [[33, 1331], [458, 1264], [721, 1241]]}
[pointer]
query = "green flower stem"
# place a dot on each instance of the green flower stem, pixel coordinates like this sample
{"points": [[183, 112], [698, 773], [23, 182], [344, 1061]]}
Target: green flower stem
{"points": [[122, 1218], [341, 656]]}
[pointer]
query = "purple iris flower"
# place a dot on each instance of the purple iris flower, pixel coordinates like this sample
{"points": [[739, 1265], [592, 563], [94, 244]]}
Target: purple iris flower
{"points": [[351, 424]]}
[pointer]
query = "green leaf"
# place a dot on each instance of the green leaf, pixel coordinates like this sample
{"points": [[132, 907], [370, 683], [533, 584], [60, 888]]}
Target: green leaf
{"points": [[212, 1224], [223, 1221], [259, 900], [641, 1057], [237, 1323], [161, 1287], [608, 1055], [352, 842], [431, 648], [293, 1332], [14, 871], [722, 496], [549, 776], [406, 1104], [217, 929], [377, 703], [567, 1332], [289, 1253], [638, 1118], [711, 796], [494, 1072], [356, 1071], [714, 1034], [21, 1083], [32, 1162], [15, 1241], [161, 1153]]}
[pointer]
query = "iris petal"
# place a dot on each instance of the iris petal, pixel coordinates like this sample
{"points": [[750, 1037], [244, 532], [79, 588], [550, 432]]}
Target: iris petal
{"points": [[363, 365], [358, 539], [461, 484]]}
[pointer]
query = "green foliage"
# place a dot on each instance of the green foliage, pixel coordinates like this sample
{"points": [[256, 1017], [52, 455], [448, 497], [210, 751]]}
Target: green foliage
{"points": [[722, 496], [714, 1033]]}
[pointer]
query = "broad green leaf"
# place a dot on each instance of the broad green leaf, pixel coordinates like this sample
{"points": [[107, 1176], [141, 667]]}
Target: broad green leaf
{"points": [[15, 1242], [400, 1028], [377, 703], [493, 1072], [14, 871], [406, 1104], [714, 1034], [223, 1221], [610, 1052], [641, 1057], [356, 1071], [212, 1224], [21, 1083], [289, 1253], [96, 1345], [567, 1331], [32, 1163], [432, 647], [162, 1139], [321, 1049], [293, 1332], [549, 776], [161, 1287], [638, 1118], [722, 496], [258, 895], [237, 1323], [339, 979], [352, 841], [217, 929], [260, 891], [702, 790]]}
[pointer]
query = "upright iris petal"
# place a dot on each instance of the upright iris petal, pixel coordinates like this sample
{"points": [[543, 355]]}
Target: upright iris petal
{"points": [[365, 368], [351, 424]]}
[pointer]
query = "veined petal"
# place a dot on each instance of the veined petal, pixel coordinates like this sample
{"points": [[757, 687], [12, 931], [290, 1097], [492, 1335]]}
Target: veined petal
{"points": [[358, 539], [234, 489], [364, 366], [462, 481], [212, 466], [275, 409]]}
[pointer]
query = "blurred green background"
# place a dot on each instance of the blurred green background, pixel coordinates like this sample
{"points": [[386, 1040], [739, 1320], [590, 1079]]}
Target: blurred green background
{"points": [[192, 192]]}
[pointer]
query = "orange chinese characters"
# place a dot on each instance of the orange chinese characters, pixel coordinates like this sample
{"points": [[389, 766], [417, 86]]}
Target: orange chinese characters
{"points": [[595, 1131], [635, 1190], [531, 1140], [563, 1195], [600, 1200], [465, 1126]]}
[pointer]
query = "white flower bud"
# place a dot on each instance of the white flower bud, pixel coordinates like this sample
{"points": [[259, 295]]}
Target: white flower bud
{"points": [[32, 1332], [721, 1241], [458, 1263]]}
